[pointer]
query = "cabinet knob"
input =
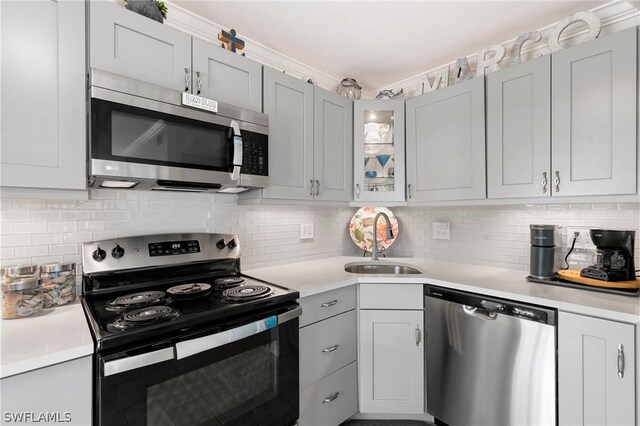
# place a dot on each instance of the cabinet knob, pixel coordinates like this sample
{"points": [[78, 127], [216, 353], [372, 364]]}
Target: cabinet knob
{"points": [[556, 181], [187, 79], [544, 182], [198, 82]]}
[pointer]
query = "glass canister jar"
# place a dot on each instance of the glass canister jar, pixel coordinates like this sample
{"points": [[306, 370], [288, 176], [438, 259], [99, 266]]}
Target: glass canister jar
{"points": [[58, 283], [21, 298]]}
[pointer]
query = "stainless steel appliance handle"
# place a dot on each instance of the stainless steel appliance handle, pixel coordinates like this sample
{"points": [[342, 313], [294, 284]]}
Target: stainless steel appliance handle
{"points": [[357, 190], [620, 361], [237, 150], [327, 304], [417, 335], [556, 181], [311, 190], [201, 344], [198, 82], [138, 361], [544, 182], [475, 312], [187, 79], [289, 315], [331, 398], [317, 187], [330, 349]]}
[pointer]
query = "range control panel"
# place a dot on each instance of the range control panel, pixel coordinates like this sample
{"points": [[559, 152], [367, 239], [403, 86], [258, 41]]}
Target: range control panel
{"points": [[170, 248]]}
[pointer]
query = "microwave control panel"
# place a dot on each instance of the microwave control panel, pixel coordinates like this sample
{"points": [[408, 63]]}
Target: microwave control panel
{"points": [[254, 154]]}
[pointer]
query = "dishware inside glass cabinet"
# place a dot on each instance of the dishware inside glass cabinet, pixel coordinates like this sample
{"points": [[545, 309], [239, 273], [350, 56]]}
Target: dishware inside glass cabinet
{"points": [[379, 150]]}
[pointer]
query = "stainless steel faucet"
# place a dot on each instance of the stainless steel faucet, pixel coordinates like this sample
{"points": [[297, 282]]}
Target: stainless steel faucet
{"points": [[374, 252]]}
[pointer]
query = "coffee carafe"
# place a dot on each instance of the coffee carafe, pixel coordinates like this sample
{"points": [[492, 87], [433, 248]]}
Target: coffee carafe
{"points": [[614, 257], [542, 263]]}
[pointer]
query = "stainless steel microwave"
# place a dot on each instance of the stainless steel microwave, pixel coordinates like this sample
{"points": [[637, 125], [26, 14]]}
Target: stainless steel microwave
{"points": [[146, 137]]}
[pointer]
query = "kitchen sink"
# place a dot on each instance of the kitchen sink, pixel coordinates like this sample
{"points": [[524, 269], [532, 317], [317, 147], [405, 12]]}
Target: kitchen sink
{"points": [[380, 267]]}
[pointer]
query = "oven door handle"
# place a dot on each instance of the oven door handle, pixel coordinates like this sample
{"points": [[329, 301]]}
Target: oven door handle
{"points": [[201, 344], [137, 361]]}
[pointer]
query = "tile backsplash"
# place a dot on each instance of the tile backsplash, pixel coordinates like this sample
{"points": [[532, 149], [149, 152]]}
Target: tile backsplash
{"points": [[45, 231]]}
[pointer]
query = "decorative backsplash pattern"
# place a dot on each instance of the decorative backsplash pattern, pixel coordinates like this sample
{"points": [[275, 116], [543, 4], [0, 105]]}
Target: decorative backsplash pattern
{"points": [[46, 231]]}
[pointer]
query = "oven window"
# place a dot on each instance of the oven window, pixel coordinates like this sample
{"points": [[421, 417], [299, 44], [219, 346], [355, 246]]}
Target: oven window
{"points": [[124, 133], [251, 381]]}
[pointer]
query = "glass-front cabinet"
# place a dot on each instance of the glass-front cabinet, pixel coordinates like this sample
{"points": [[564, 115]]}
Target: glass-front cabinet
{"points": [[378, 130]]}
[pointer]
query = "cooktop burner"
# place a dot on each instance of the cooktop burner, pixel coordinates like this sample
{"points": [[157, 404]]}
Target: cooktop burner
{"points": [[243, 293], [190, 290], [144, 316], [228, 282], [136, 300]]}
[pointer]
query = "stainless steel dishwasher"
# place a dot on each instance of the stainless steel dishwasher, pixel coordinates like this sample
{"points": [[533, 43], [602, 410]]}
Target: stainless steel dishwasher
{"points": [[489, 361]]}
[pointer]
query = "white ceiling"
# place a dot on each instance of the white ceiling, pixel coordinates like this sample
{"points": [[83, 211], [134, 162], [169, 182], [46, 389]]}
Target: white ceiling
{"points": [[381, 42]]}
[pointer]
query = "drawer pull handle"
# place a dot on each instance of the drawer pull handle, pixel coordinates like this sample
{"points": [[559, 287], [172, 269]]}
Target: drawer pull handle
{"points": [[327, 304], [331, 398], [620, 361], [330, 349]]}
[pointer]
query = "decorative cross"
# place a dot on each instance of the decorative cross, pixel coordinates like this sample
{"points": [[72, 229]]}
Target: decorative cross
{"points": [[230, 39]]}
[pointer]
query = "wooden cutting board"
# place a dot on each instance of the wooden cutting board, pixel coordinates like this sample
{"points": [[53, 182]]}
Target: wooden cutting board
{"points": [[573, 275]]}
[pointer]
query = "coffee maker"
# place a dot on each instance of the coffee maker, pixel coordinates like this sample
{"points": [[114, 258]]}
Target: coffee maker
{"points": [[614, 258]]}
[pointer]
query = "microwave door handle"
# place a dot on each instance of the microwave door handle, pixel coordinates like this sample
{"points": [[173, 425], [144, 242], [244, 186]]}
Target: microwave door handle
{"points": [[237, 150], [201, 344]]}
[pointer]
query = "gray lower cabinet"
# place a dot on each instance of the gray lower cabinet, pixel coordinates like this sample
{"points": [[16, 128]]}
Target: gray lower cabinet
{"points": [[226, 76], [43, 117], [596, 371], [519, 130], [594, 116], [309, 140], [328, 353], [445, 133], [126, 43], [62, 390]]}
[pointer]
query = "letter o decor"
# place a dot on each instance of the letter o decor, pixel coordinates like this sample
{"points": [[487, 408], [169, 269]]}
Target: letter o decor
{"points": [[591, 19]]}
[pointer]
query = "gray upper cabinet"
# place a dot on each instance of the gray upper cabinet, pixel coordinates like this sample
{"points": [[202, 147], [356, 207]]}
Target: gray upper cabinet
{"points": [[123, 42], [289, 103], [446, 144], [332, 146], [226, 76], [596, 371], [43, 118], [594, 114], [519, 130]]}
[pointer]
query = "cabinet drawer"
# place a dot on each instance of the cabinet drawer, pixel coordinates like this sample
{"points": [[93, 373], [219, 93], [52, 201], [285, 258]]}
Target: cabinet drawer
{"points": [[332, 400], [391, 296], [327, 346], [328, 304]]}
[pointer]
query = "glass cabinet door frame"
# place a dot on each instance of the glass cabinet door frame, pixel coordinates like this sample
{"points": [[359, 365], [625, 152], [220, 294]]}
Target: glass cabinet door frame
{"points": [[360, 194]]}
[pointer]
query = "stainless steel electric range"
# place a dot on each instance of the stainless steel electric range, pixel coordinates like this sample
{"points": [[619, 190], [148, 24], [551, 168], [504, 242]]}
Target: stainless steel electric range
{"points": [[183, 338]]}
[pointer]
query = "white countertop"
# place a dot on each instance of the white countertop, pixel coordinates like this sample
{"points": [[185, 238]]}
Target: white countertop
{"points": [[318, 276], [53, 336]]}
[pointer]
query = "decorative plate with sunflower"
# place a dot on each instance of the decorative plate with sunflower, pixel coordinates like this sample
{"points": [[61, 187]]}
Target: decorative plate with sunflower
{"points": [[361, 228]]}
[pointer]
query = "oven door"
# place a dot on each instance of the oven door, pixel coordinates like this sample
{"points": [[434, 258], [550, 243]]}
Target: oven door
{"points": [[138, 138], [243, 374]]}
